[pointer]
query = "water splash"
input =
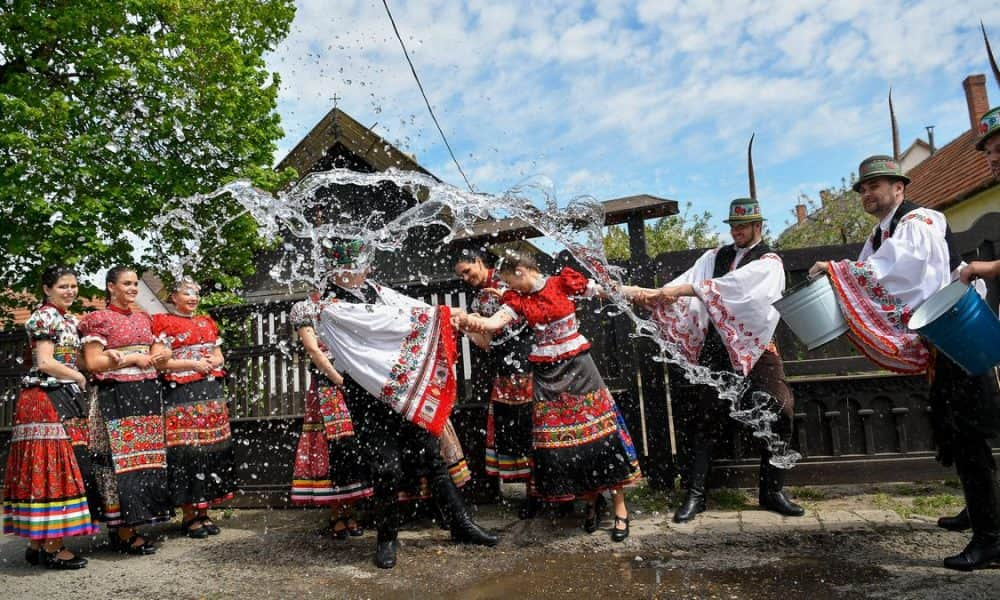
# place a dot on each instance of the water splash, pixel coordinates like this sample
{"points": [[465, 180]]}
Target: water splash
{"points": [[301, 218]]}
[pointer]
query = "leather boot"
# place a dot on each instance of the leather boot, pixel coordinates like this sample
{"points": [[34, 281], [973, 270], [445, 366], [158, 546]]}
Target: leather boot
{"points": [[694, 499], [463, 529], [982, 551], [771, 497], [385, 549], [959, 522], [387, 522]]}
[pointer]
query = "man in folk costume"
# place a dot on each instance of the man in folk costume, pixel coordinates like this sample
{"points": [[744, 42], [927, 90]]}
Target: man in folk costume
{"points": [[965, 408], [397, 355], [719, 314], [907, 259]]}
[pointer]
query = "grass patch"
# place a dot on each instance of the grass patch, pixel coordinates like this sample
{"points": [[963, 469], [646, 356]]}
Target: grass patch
{"points": [[931, 505], [937, 505], [729, 498], [807, 493], [649, 500]]}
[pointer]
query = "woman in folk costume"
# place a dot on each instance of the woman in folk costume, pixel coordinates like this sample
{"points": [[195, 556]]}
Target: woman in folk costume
{"points": [[581, 446], [48, 467], [508, 422], [397, 355], [908, 258], [719, 315], [201, 469], [329, 466], [126, 418]]}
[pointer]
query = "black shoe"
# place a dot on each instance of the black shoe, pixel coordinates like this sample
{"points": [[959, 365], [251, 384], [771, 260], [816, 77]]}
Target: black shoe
{"points": [[619, 535], [128, 547], [959, 522], [385, 553], [338, 534], [63, 564], [209, 525], [33, 556], [982, 551], [778, 502], [594, 512], [199, 533], [694, 503]]}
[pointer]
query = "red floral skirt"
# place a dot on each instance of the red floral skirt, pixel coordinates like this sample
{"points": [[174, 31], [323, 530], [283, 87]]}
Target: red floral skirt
{"points": [[45, 496], [508, 428]]}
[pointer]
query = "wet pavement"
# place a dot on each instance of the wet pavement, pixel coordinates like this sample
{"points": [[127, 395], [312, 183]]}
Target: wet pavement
{"points": [[847, 548]]}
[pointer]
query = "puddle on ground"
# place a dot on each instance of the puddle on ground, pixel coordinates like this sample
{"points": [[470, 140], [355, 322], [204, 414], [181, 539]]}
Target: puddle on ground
{"points": [[612, 576]]}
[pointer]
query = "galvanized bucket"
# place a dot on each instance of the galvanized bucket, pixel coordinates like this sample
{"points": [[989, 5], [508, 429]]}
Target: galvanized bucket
{"points": [[960, 324], [812, 313]]}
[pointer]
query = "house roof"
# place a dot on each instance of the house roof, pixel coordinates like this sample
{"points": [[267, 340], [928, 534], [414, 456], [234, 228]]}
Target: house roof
{"points": [[339, 127], [616, 211], [954, 173]]}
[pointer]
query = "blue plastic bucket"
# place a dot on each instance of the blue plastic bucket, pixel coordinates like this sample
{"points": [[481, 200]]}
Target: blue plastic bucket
{"points": [[960, 324]]}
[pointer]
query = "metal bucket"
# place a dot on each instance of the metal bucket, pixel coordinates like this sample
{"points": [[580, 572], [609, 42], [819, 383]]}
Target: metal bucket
{"points": [[812, 313], [960, 324]]}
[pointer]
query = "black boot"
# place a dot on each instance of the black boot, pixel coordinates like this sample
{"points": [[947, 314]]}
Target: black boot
{"points": [[982, 551], [694, 500], [387, 521], [982, 502], [463, 529], [771, 497], [959, 522], [385, 549]]}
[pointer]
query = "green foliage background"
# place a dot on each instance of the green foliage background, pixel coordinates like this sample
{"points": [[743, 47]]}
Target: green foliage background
{"points": [[110, 108]]}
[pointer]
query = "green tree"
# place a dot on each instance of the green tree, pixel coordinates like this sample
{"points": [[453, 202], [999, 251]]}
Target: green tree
{"points": [[110, 108], [666, 234], [838, 218]]}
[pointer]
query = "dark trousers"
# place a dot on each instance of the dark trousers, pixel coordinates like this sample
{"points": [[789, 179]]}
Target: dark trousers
{"points": [[965, 413], [710, 421], [397, 453]]}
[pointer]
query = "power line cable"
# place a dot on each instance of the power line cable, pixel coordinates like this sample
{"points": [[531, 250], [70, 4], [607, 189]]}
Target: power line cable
{"points": [[424, 94]]}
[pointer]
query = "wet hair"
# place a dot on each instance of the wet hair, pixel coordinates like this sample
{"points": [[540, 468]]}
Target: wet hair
{"points": [[114, 274], [53, 274], [511, 259], [471, 255], [184, 282]]}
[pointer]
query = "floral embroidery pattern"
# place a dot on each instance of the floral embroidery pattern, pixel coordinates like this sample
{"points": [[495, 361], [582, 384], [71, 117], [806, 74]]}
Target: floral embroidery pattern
{"points": [[409, 355], [877, 320], [197, 424], [515, 389], [137, 443], [336, 418], [572, 420]]}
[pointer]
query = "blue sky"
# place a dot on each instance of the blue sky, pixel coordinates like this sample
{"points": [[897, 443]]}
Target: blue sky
{"points": [[615, 98]]}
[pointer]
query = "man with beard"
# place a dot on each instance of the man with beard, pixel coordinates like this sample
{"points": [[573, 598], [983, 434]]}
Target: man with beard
{"points": [[719, 314]]}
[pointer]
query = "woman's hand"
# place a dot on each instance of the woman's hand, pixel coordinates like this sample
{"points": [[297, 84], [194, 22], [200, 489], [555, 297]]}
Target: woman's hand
{"points": [[203, 366], [116, 357]]}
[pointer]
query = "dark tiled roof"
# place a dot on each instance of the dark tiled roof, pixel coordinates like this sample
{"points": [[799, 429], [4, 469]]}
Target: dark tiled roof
{"points": [[951, 175]]}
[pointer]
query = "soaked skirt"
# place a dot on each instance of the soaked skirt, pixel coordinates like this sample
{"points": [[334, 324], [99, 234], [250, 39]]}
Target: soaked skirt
{"points": [[508, 428], [329, 467], [201, 468], [48, 468], [581, 443], [128, 446]]}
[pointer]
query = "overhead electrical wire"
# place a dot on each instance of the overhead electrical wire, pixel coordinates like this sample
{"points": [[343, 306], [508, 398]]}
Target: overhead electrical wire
{"points": [[424, 94]]}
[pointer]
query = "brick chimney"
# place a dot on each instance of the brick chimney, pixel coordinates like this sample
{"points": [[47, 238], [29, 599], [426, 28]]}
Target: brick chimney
{"points": [[976, 98], [800, 213]]}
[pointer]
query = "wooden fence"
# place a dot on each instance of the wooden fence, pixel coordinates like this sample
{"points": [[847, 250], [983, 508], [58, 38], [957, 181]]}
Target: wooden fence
{"points": [[853, 422]]}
